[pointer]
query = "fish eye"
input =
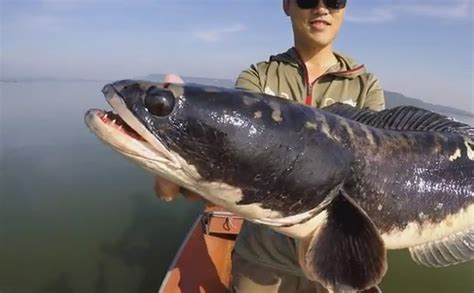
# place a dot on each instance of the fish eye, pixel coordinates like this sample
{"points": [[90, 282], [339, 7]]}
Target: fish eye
{"points": [[159, 102]]}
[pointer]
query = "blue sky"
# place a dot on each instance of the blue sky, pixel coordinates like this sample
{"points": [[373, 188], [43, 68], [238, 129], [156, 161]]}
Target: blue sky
{"points": [[420, 48]]}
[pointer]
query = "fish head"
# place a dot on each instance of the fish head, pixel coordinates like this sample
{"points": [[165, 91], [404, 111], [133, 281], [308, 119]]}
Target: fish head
{"points": [[186, 134], [159, 127]]}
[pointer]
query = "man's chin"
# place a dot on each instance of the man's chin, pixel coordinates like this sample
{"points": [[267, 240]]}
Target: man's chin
{"points": [[321, 40]]}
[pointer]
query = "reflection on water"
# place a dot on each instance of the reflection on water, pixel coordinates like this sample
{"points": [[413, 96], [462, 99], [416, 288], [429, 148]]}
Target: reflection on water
{"points": [[62, 284], [77, 217], [140, 246], [85, 224]]}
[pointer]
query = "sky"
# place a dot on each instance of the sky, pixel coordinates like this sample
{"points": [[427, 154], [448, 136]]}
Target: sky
{"points": [[420, 48]]}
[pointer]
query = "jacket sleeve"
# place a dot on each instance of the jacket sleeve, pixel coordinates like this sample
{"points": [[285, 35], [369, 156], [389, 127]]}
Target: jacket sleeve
{"points": [[249, 80], [374, 99]]}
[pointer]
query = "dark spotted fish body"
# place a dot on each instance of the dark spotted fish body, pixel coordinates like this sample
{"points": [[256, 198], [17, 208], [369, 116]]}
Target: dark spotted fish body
{"points": [[411, 171], [348, 183]]}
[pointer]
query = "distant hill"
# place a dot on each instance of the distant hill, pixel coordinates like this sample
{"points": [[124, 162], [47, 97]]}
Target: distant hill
{"points": [[201, 80], [50, 79], [393, 99]]}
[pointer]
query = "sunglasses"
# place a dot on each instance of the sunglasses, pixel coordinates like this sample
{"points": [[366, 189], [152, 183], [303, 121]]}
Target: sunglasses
{"points": [[331, 4]]}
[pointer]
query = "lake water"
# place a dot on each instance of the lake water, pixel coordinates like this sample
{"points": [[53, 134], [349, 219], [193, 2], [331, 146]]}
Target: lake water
{"points": [[76, 217]]}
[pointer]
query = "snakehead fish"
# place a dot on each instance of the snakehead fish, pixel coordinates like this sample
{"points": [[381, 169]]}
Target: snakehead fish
{"points": [[346, 183]]}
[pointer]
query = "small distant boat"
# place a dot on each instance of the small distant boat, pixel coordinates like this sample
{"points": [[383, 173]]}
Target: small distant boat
{"points": [[203, 262]]}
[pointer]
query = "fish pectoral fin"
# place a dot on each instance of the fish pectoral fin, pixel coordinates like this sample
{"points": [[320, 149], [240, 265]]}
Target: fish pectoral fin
{"points": [[345, 253], [450, 250]]}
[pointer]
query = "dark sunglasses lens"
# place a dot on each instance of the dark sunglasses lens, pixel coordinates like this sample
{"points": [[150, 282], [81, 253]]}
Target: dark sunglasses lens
{"points": [[307, 4], [331, 4], [335, 4]]}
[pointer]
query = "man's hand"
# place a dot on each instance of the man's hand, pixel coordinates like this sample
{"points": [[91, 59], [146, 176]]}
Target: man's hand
{"points": [[173, 78], [167, 191], [164, 189]]}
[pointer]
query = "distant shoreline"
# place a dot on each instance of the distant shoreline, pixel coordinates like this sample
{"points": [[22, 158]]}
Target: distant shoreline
{"points": [[392, 98], [13, 80]]}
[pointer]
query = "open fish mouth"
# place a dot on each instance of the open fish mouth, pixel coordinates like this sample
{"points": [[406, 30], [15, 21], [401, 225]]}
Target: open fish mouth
{"points": [[125, 133], [112, 119]]}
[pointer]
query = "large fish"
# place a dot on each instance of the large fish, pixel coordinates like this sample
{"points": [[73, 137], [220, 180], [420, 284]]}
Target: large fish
{"points": [[346, 183]]}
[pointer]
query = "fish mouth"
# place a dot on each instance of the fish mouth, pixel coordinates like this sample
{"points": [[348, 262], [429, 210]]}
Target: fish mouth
{"points": [[124, 132], [112, 119]]}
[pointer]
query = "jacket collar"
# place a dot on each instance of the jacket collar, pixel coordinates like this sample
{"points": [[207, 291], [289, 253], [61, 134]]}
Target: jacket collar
{"points": [[346, 66]]}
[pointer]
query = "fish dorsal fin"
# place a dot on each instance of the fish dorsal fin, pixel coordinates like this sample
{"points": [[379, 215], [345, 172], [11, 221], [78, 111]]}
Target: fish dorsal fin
{"points": [[453, 249], [345, 253], [407, 118]]}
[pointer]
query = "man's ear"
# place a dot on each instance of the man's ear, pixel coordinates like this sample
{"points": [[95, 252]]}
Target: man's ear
{"points": [[286, 7]]}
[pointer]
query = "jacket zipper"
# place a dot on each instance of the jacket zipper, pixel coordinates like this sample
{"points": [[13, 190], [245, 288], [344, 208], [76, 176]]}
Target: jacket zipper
{"points": [[309, 85]]}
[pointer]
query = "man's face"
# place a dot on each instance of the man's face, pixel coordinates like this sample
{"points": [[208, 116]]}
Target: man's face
{"points": [[316, 27]]}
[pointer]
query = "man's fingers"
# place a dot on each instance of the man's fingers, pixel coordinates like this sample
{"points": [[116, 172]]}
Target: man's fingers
{"points": [[191, 195], [194, 196], [173, 78], [165, 189]]}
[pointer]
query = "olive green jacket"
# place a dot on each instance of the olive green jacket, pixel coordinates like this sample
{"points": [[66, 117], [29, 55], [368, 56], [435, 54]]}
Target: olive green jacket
{"points": [[285, 75]]}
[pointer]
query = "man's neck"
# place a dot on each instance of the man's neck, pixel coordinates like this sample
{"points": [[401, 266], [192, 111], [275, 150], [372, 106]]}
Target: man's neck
{"points": [[316, 60]]}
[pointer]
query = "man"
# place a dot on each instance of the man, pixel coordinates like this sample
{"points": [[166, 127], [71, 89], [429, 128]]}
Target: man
{"points": [[311, 73]]}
